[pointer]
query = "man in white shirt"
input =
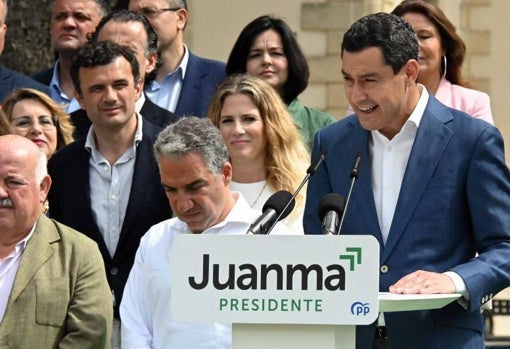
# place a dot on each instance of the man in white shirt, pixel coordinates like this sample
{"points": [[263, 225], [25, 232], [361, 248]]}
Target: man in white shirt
{"points": [[196, 174]]}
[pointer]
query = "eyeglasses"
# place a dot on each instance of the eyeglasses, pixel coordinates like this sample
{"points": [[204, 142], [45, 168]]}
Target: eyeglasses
{"points": [[152, 12], [26, 122]]}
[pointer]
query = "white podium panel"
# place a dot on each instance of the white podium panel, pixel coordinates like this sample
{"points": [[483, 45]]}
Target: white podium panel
{"points": [[278, 336], [276, 279]]}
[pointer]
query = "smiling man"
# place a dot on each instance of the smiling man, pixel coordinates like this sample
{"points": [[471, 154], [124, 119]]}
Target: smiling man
{"points": [[434, 190], [106, 185], [134, 30]]}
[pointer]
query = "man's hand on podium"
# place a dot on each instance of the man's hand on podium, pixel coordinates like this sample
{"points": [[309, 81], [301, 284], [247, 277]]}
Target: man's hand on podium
{"points": [[424, 282]]}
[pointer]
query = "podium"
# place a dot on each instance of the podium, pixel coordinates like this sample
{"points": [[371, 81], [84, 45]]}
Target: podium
{"points": [[285, 291]]}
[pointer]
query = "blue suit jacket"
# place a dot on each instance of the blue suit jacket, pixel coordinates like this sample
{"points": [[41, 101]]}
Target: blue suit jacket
{"points": [[203, 76], [454, 202], [11, 80], [70, 204]]}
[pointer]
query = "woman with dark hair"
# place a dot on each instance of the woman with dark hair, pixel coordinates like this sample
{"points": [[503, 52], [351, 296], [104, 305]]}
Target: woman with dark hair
{"points": [[442, 53], [267, 48]]}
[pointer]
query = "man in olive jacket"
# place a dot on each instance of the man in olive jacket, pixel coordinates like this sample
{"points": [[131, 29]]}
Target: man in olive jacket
{"points": [[53, 287]]}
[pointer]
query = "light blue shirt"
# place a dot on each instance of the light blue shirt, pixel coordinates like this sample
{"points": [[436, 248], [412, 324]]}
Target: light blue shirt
{"points": [[56, 93], [110, 187], [166, 94]]}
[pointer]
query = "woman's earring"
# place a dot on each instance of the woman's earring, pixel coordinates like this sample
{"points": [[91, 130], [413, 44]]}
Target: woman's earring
{"points": [[444, 65]]}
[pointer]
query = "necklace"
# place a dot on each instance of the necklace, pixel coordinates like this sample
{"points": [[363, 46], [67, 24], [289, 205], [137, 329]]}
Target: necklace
{"points": [[260, 193]]}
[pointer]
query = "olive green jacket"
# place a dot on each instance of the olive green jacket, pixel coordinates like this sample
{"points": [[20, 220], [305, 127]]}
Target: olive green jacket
{"points": [[60, 297]]}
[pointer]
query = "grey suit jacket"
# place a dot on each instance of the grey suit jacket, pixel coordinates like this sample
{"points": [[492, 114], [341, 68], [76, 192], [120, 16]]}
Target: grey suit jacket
{"points": [[60, 297]]}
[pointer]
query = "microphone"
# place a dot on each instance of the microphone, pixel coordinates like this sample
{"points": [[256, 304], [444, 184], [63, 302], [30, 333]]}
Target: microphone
{"points": [[314, 166], [354, 176], [277, 207], [331, 208]]}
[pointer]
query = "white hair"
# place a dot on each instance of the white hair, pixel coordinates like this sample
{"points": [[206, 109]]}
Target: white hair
{"points": [[41, 170]]}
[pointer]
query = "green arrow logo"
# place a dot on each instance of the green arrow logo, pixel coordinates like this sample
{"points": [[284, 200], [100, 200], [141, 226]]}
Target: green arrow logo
{"points": [[353, 256]]}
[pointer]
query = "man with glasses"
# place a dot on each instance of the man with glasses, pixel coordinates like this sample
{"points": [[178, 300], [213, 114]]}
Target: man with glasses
{"points": [[185, 82]]}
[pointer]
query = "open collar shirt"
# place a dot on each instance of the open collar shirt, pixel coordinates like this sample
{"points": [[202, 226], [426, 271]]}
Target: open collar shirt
{"points": [[147, 321], [166, 94], [110, 186]]}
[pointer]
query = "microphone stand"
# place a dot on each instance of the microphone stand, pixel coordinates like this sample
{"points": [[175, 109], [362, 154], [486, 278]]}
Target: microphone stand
{"points": [[309, 172], [354, 176]]}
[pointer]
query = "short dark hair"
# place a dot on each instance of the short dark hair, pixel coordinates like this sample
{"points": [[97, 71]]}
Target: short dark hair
{"points": [[391, 33], [126, 16], [99, 54], [298, 71]]}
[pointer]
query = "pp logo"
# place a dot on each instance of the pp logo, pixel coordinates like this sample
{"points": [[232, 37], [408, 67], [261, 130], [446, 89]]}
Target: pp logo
{"points": [[358, 308]]}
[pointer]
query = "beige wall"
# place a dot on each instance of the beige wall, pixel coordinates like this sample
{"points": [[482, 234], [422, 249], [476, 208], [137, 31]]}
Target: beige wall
{"points": [[319, 25]]}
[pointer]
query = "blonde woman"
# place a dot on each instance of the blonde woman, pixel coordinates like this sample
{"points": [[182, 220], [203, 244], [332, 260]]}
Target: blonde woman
{"points": [[265, 147], [34, 115]]}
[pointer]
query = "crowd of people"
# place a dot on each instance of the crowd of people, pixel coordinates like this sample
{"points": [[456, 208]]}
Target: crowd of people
{"points": [[130, 139]]}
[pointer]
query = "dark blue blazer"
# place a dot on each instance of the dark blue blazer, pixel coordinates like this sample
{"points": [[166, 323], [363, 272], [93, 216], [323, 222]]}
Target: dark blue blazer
{"points": [[44, 76], [454, 202], [150, 111], [203, 76], [11, 80], [69, 200]]}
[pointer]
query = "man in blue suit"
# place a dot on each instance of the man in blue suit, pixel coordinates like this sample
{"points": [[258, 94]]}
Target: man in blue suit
{"points": [[185, 82], [433, 189], [106, 185]]}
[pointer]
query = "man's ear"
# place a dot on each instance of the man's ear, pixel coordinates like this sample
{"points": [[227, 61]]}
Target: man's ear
{"points": [[227, 173], [412, 69], [44, 188]]}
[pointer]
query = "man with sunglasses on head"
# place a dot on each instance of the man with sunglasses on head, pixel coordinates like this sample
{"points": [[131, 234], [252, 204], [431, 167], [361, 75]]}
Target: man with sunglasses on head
{"points": [[185, 82]]}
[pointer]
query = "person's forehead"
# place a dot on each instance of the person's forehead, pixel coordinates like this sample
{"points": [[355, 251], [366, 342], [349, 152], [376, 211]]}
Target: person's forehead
{"points": [[69, 6], [367, 58], [128, 32], [149, 3], [17, 162], [118, 69]]}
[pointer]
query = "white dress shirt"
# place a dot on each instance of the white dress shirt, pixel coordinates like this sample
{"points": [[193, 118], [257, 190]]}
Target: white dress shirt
{"points": [[146, 318], [389, 162], [8, 269]]}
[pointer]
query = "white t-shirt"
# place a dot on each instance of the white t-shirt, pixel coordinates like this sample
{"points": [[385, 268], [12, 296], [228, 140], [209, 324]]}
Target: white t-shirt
{"points": [[257, 193]]}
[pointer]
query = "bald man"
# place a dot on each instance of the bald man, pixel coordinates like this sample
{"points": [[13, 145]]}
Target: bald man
{"points": [[53, 287]]}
